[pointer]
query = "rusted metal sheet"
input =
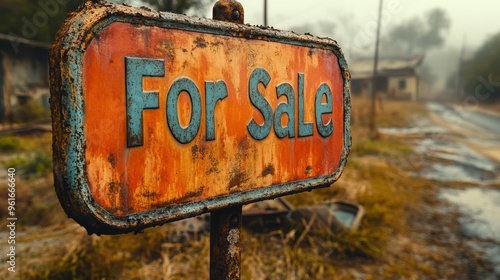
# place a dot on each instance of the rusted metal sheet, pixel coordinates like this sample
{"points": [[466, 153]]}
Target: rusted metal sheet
{"points": [[329, 216], [158, 117]]}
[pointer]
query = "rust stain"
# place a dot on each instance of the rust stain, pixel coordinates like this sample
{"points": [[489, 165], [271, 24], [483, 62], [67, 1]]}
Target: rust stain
{"points": [[188, 197], [309, 169], [111, 160], [269, 170], [116, 196], [214, 165], [237, 179], [244, 145], [167, 48], [149, 195], [194, 152], [114, 188], [199, 42], [195, 193], [217, 44], [198, 152]]}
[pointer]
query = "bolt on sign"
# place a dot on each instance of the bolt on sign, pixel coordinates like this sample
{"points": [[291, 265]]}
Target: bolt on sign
{"points": [[159, 117]]}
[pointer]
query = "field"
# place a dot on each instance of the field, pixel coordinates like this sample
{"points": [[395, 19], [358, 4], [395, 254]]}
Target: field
{"points": [[404, 235]]}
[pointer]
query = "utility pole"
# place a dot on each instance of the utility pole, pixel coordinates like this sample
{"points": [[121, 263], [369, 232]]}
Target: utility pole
{"points": [[373, 128], [265, 12], [458, 81]]}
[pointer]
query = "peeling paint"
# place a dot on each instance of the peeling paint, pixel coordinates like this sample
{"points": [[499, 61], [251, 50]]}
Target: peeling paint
{"points": [[233, 238]]}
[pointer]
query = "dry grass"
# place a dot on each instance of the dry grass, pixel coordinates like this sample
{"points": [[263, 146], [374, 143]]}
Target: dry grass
{"points": [[386, 246], [389, 113], [491, 106]]}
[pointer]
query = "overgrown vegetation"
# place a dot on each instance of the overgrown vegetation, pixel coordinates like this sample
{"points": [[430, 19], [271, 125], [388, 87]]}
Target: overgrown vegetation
{"points": [[10, 144], [33, 155], [32, 111], [481, 75], [33, 165], [376, 177]]}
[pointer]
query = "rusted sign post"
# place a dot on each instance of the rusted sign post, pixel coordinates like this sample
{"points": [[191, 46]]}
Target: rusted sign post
{"points": [[159, 117], [225, 224]]}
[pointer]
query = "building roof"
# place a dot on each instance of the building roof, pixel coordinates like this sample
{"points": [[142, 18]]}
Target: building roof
{"points": [[363, 68], [24, 41]]}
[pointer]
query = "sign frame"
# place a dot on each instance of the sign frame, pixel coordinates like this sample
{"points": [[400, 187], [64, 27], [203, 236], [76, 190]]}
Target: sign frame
{"points": [[67, 106]]}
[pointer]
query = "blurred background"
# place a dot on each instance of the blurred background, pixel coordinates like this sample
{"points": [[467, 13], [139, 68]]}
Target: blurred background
{"points": [[424, 165]]}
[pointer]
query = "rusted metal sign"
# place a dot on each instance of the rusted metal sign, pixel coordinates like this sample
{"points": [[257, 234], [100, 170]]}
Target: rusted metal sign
{"points": [[159, 117]]}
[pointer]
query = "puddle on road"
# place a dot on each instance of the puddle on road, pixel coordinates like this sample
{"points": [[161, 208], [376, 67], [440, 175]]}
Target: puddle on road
{"points": [[481, 203], [448, 161], [456, 152], [454, 162], [454, 173], [482, 206], [420, 126]]}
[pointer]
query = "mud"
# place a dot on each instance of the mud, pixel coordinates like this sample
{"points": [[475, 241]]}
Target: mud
{"points": [[455, 147]]}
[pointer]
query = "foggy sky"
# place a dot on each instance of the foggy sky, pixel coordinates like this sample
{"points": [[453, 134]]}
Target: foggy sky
{"points": [[473, 20]]}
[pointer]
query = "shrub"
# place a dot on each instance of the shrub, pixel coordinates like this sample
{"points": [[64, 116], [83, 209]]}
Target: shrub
{"points": [[10, 144], [35, 165]]}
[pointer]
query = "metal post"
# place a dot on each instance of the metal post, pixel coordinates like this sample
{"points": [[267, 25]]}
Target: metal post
{"points": [[458, 82], [225, 244], [265, 12], [225, 224]]}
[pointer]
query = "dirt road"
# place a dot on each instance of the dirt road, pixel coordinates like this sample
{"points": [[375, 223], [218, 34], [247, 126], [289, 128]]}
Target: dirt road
{"points": [[460, 148]]}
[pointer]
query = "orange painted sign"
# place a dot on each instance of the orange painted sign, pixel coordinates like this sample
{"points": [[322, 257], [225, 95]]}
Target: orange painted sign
{"points": [[177, 117]]}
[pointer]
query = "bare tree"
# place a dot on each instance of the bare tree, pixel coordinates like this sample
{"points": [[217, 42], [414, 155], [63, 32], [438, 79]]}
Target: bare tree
{"points": [[418, 35]]}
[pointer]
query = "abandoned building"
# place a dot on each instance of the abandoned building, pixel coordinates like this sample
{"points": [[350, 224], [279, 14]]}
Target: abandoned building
{"points": [[24, 74], [397, 78]]}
